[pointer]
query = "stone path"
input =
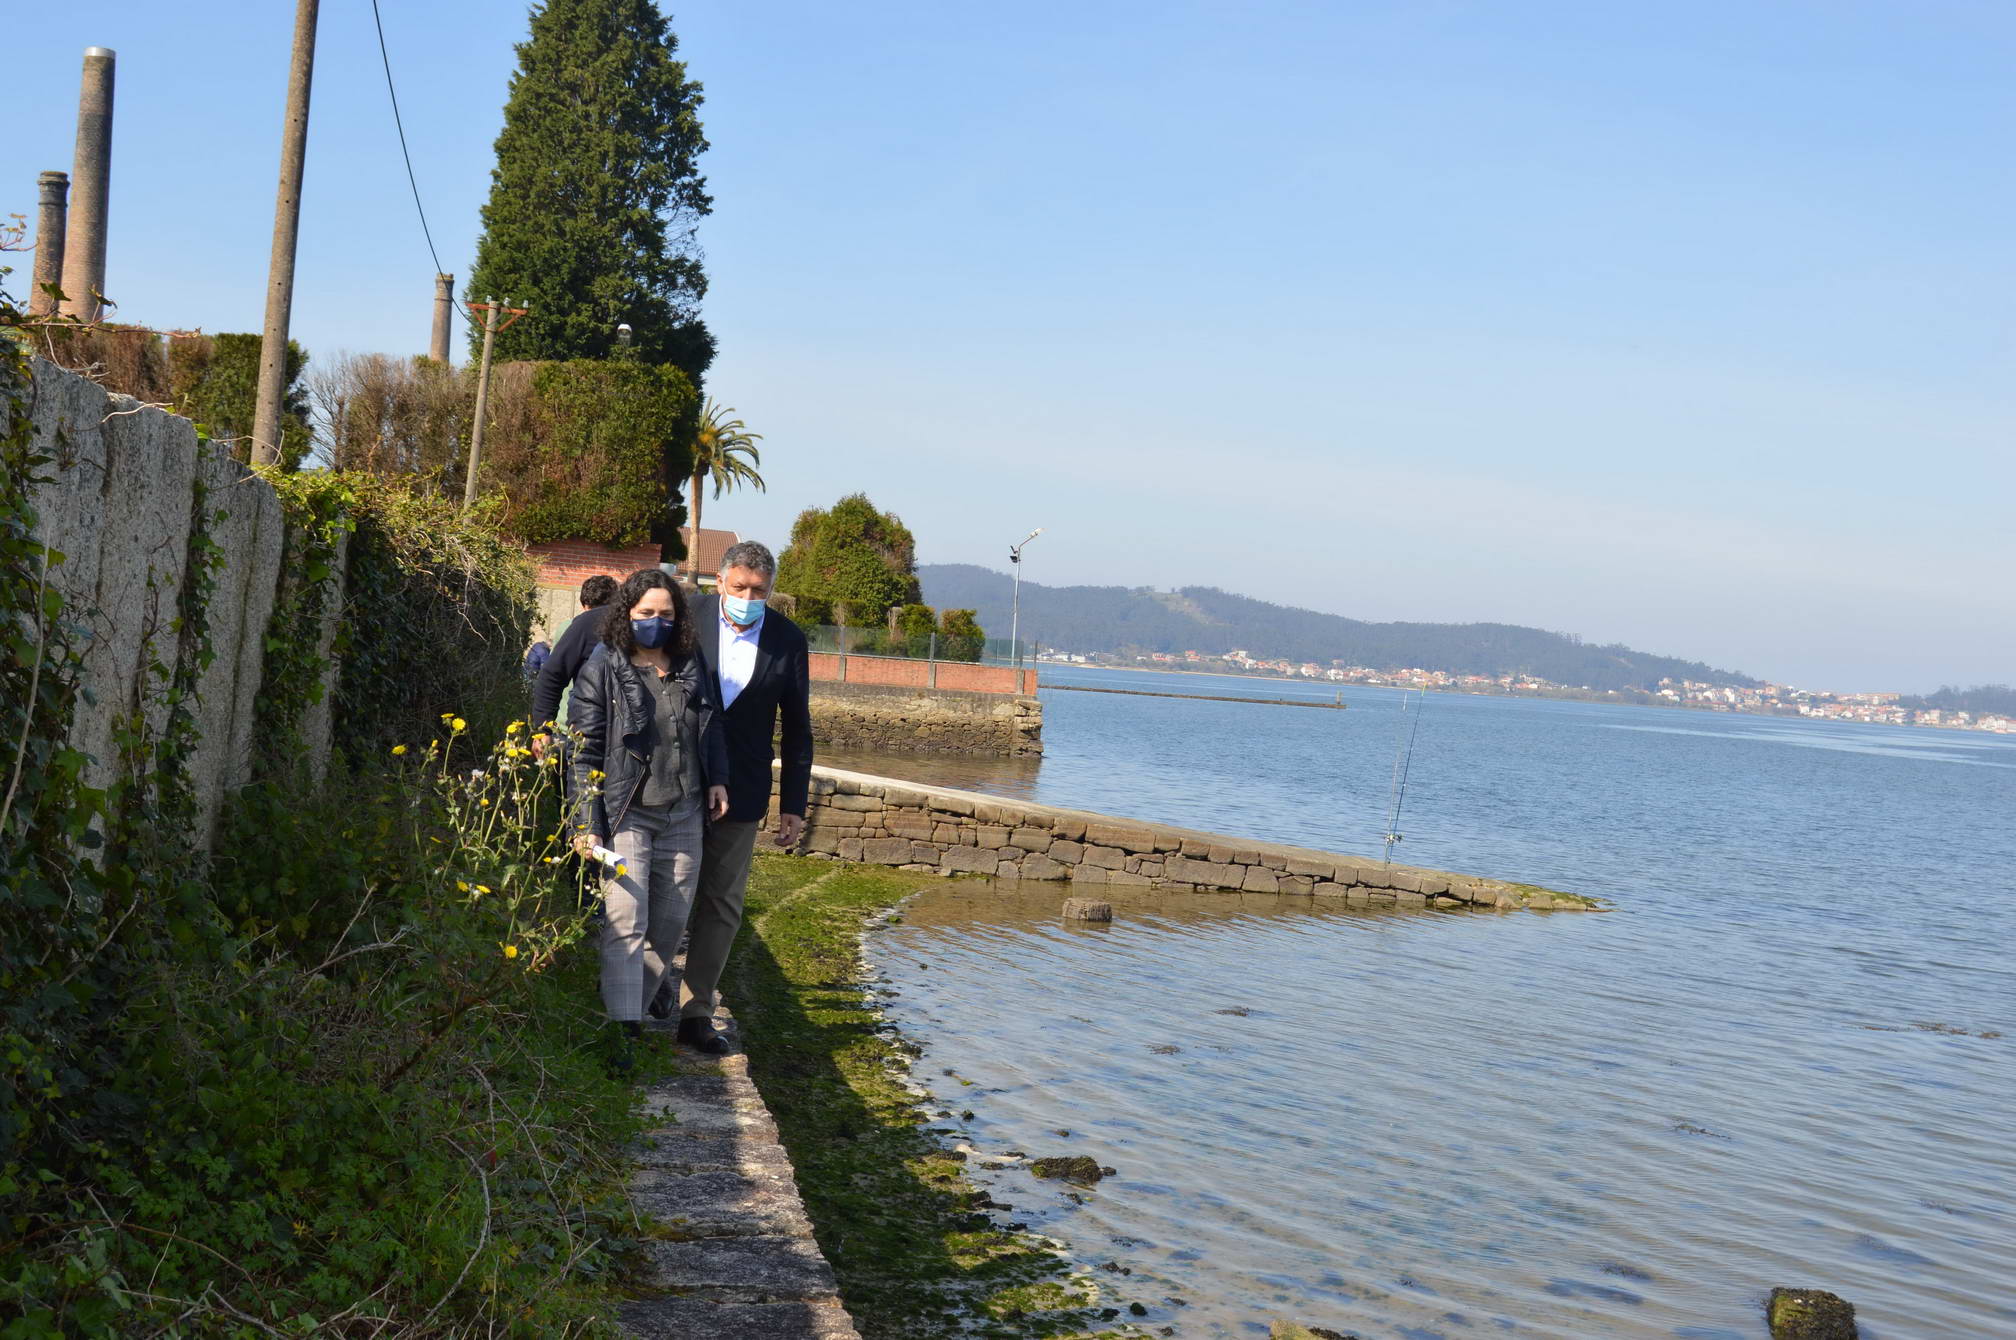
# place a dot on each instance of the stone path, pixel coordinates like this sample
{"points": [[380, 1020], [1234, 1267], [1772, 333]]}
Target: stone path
{"points": [[732, 1255]]}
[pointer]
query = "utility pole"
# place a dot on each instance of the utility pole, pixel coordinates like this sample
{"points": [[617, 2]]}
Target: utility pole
{"points": [[286, 230], [91, 185], [1015, 619], [444, 317], [490, 329], [49, 226]]}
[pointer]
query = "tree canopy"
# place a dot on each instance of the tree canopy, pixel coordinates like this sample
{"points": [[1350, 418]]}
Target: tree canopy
{"points": [[596, 192], [850, 560]]}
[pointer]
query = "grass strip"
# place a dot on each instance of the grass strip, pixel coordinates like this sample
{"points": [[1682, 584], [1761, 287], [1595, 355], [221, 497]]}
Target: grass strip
{"points": [[905, 1230]]}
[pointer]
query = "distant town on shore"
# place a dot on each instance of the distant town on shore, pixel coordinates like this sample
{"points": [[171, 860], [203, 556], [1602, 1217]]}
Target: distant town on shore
{"points": [[1889, 709]]}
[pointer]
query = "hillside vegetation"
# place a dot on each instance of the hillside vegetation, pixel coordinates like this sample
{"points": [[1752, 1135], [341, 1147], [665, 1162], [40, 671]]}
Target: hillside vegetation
{"points": [[1205, 619]]}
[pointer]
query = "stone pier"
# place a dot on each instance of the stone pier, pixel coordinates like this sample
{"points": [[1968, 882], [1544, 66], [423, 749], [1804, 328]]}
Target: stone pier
{"points": [[880, 821]]}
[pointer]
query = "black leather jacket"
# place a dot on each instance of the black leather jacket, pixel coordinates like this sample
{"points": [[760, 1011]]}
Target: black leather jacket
{"points": [[611, 707]]}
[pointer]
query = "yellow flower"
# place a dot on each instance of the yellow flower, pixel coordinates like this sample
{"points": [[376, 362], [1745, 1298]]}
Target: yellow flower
{"points": [[622, 870], [514, 728], [596, 774], [486, 800], [461, 887], [510, 951], [458, 725], [482, 888], [398, 749], [447, 716]]}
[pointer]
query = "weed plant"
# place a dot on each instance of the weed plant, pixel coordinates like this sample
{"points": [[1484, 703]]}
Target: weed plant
{"points": [[363, 1096]]}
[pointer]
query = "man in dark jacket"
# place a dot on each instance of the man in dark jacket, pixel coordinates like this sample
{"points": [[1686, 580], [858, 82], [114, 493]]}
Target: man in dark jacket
{"points": [[759, 660], [568, 655]]}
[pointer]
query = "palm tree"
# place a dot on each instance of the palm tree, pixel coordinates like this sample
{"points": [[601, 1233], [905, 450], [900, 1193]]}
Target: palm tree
{"points": [[718, 449]]}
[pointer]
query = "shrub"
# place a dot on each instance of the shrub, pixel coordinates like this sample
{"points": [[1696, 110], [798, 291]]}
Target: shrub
{"points": [[394, 416], [960, 637], [588, 450], [213, 379], [438, 610], [852, 558]]}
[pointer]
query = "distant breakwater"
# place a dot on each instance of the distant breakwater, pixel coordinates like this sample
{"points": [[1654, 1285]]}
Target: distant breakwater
{"points": [[854, 816], [1199, 697]]}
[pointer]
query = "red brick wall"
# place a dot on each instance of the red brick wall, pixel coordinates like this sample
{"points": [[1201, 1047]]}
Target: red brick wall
{"points": [[826, 667], [568, 563]]}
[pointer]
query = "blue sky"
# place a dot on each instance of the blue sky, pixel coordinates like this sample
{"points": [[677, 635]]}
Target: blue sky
{"points": [[1689, 326]]}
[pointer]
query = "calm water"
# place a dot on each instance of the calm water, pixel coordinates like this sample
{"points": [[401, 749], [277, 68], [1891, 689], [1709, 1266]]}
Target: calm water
{"points": [[1763, 1068]]}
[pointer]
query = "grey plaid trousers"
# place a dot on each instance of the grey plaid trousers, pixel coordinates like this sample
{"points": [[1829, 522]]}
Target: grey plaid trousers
{"points": [[644, 909]]}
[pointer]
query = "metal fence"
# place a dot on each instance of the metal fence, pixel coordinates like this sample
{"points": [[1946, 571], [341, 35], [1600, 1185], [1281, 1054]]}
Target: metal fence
{"points": [[846, 641]]}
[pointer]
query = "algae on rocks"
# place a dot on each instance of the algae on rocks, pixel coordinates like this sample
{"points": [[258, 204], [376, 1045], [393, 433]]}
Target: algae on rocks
{"points": [[1810, 1314]]}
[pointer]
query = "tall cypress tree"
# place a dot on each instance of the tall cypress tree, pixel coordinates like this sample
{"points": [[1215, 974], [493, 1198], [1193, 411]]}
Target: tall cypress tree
{"points": [[595, 197]]}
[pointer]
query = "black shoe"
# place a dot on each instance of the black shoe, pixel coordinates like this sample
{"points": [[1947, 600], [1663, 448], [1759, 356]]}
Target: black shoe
{"points": [[664, 1002], [700, 1035]]}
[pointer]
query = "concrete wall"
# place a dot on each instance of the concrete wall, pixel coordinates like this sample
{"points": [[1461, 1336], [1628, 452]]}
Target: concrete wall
{"points": [[856, 817], [943, 720], [120, 509]]}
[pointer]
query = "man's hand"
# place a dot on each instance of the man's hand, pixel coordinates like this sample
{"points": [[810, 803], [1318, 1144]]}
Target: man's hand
{"points": [[790, 829], [585, 845], [717, 803], [539, 747]]}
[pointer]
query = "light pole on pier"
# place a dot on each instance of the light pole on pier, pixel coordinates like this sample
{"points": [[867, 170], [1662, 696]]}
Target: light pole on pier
{"points": [[1015, 618]]}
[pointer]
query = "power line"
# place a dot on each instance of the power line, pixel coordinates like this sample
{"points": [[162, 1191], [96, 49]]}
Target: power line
{"points": [[404, 152]]}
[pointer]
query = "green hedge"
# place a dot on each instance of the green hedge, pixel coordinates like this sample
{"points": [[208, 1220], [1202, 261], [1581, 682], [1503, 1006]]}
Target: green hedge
{"points": [[590, 450]]}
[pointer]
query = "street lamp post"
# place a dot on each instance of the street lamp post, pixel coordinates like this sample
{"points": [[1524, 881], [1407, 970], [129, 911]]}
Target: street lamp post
{"points": [[1015, 618]]}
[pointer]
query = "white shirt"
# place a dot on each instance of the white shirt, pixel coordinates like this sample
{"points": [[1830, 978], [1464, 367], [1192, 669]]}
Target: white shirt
{"points": [[737, 658]]}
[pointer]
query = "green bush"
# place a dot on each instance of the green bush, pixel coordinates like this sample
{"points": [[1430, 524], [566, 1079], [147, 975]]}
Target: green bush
{"points": [[959, 636], [588, 450], [438, 610], [850, 557]]}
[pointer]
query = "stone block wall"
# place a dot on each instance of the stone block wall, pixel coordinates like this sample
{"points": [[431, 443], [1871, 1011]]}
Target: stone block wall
{"points": [[925, 720], [120, 507], [880, 821]]}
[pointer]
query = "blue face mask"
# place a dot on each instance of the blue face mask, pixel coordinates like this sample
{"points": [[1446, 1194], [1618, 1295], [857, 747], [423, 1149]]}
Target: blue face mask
{"points": [[651, 632], [741, 612]]}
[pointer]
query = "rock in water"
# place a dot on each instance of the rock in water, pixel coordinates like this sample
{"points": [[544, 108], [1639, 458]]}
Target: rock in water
{"points": [[1809, 1314], [1077, 1168], [1295, 1330], [1085, 909]]}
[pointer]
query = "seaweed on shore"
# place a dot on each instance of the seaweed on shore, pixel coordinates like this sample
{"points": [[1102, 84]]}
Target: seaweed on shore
{"points": [[907, 1233]]}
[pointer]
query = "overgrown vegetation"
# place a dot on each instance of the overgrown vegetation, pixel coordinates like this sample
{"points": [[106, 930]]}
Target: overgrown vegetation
{"points": [[213, 379], [906, 1232], [590, 450], [344, 1077]]}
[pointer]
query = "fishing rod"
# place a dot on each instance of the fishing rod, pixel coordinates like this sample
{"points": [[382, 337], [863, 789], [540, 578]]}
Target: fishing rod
{"points": [[1403, 762]]}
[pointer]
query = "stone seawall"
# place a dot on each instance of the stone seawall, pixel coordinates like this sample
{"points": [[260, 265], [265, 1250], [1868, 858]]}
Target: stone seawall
{"points": [[928, 720], [880, 821]]}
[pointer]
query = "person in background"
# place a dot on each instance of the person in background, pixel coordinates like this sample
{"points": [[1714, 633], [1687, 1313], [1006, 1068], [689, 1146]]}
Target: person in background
{"points": [[757, 663], [650, 769], [535, 659], [576, 644]]}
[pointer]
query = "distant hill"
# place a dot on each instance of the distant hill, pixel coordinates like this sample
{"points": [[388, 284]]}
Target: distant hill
{"points": [[1205, 619]]}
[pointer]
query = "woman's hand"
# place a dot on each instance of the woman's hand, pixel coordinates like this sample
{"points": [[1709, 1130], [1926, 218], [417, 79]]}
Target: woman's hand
{"points": [[585, 845], [717, 803]]}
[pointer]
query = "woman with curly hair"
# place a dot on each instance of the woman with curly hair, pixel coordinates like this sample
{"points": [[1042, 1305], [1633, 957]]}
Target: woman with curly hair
{"points": [[652, 768]]}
